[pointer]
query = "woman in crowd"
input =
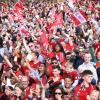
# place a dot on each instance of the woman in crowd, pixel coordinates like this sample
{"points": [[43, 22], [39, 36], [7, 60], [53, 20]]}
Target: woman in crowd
{"points": [[58, 94], [19, 92], [8, 94], [31, 31]]}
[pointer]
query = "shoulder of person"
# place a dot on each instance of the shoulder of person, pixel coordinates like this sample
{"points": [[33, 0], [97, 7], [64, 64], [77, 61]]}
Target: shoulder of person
{"points": [[81, 65], [93, 63]]}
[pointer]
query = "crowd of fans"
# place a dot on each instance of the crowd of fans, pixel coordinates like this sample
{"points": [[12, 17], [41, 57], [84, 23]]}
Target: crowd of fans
{"points": [[45, 55]]}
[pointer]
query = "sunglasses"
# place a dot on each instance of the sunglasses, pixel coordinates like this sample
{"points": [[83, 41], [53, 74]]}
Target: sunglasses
{"points": [[54, 63], [57, 93]]}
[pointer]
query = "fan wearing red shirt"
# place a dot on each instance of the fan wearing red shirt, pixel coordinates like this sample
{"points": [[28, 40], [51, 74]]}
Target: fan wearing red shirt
{"points": [[35, 62], [58, 18], [67, 86], [96, 46], [25, 83], [98, 64], [58, 53], [70, 71], [54, 63], [55, 80], [84, 89]]}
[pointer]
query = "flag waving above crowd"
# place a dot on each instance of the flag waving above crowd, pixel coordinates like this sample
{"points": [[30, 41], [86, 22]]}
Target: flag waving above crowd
{"points": [[50, 50], [78, 17]]}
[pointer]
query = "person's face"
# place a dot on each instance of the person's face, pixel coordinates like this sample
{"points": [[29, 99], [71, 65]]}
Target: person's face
{"points": [[13, 29], [87, 45], [4, 44], [54, 63], [88, 78], [37, 48], [58, 33], [68, 82], [69, 67], [56, 72], [58, 93], [18, 91], [31, 46], [57, 48], [8, 92], [25, 82], [87, 58], [41, 67], [81, 51], [13, 81], [94, 95], [33, 56], [68, 56]]}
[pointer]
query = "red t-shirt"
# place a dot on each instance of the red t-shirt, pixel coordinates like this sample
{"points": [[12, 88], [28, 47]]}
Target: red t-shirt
{"points": [[27, 92], [70, 47], [34, 65], [81, 92], [60, 56], [58, 19], [50, 69], [18, 73], [25, 70], [97, 46], [73, 74], [98, 64], [56, 82]]}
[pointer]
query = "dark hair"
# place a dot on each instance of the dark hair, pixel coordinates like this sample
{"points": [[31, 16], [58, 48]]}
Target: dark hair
{"points": [[53, 93], [98, 80], [61, 47], [54, 58], [68, 76], [11, 88], [97, 88], [36, 54], [15, 67], [1, 42], [57, 68], [59, 30], [87, 72]]}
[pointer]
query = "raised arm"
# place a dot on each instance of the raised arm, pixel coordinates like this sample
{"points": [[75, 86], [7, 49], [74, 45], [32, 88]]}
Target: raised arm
{"points": [[26, 46], [8, 62]]}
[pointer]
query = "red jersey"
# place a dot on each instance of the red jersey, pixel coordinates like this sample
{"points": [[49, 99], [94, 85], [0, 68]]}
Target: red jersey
{"points": [[58, 55], [81, 92], [50, 70], [56, 82], [98, 64], [34, 65], [27, 92], [73, 74]]}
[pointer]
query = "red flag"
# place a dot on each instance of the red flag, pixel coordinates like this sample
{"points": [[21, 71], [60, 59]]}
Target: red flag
{"points": [[18, 14], [44, 39], [18, 6], [78, 17], [58, 19], [25, 32]]}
